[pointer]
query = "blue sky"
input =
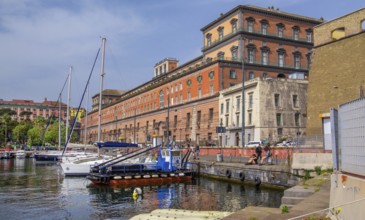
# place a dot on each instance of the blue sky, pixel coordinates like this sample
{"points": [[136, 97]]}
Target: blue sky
{"points": [[40, 39]]}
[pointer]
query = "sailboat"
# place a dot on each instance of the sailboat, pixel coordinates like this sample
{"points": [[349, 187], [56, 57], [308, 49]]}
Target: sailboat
{"points": [[55, 156]]}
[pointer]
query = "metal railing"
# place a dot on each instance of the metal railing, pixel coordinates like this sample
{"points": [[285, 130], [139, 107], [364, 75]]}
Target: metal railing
{"points": [[344, 211]]}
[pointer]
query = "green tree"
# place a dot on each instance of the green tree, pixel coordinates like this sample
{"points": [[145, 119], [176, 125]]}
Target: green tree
{"points": [[20, 132], [34, 136], [51, 135], [6, 125]]}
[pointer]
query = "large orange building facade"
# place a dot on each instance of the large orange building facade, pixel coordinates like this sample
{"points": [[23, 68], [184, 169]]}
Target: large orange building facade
{"points": [[185, 98]]}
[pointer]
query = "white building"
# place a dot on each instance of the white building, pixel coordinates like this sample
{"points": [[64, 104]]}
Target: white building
{"points": [[275, 109]]}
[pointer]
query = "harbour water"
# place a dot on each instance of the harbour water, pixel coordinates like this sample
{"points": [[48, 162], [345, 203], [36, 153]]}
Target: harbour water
{"points": [[32, 191]]}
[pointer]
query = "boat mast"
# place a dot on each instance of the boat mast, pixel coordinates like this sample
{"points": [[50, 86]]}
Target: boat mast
{"points": [[68, 102], [59, 121], [101, 84], [87, 104]]}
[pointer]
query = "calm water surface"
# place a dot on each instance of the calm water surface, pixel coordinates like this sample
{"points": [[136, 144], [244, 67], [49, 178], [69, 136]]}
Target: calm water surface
{"points": [[32, 191]]}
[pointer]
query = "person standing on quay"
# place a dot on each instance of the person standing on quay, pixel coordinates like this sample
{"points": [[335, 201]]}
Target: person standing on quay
{"points": [[258, 151]]}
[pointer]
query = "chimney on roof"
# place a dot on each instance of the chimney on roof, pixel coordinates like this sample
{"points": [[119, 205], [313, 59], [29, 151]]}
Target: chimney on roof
{"points": [[221, 14], [321, 18], [277, 9], [45, 99]]}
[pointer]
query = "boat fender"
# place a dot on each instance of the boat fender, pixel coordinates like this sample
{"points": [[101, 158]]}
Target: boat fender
{"points": [[146, 176], [138, 191], [228, 173], [242, 176], [181, 174], [137, 177], [154, 175], [117, 177], [172, 174], [127, 177], [257, 181], [163, 175]]}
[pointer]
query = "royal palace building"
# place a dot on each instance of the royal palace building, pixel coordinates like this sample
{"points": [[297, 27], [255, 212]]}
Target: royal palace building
{"points": [[184, 99]]}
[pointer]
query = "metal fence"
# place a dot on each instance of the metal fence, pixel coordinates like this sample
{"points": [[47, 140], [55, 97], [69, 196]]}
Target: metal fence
{"points": [[351, 137]]}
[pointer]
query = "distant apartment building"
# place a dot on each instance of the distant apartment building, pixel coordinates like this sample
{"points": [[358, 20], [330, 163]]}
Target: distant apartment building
{"points": [[109, 96], [29, 110], [337, 71], [274, 108], [185, 98]]}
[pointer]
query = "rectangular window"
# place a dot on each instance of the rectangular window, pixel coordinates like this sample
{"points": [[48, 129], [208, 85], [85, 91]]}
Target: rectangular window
{"points": [[226, 121], [180, 87], [209, 41], [211, 113], [220, 34], [232, 74], [198, 118], [277, 100], [181, 99], [265, 58], [234, 27], [237, 120], [295, 101], [188, 120], [281, 60], [280, 31], [199, 93], [189, 96], [296, 119], [264, 29], [222, 108], [251, 56], [175, 121], [250, 101], [278, 120], [234, 55], [309, 37], [296, 62], [296, 34], [211, 90], [250, 118], [238, 103], [250, 26], [251, 75], [227, 107]]}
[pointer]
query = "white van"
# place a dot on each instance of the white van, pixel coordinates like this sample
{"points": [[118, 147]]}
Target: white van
{"points": [[253, 144]]}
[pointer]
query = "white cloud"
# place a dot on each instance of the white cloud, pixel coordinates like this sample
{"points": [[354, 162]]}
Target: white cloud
{"points": [[39, 41]]}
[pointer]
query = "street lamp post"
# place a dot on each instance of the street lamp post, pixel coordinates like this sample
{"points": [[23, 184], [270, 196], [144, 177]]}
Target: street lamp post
{"points": [[243, 92]]}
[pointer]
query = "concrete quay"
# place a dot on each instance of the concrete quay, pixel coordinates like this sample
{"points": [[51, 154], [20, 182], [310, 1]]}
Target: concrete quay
{"points": [[300, 199]]}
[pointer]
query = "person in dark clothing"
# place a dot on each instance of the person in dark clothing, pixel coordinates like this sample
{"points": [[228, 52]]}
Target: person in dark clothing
{"points": [[197, 150], [258, 151]]}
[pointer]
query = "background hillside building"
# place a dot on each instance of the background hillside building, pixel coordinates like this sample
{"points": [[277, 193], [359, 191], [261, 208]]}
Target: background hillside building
{"points": [[337, 70], [185, 98], [274, 109], [29, 110]]}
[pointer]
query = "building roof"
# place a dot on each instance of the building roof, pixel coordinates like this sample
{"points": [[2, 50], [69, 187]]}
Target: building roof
{"points": [[269, 11], [111, 92], [30, 102]]}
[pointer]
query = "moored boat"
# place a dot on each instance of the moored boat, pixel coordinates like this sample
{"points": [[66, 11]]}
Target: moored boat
{"points": [[170, 167], [80, 166]]}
